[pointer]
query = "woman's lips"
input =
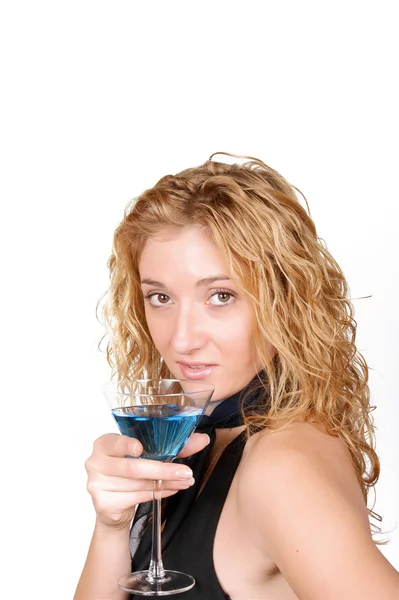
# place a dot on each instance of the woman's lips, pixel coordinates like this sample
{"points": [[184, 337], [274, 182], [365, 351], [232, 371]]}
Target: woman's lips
{"points": [[196, 371]]}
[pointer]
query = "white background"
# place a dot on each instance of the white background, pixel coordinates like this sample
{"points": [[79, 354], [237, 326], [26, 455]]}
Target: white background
{"points": [[98, 101]]}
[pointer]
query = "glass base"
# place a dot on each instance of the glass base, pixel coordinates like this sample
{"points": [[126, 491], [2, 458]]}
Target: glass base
{"points": [[138, 583]]}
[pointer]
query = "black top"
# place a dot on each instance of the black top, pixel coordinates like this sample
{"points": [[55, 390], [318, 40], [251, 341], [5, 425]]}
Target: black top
{"points": [[191, 548]]}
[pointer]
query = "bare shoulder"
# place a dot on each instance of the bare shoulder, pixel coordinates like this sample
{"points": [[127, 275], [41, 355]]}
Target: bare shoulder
{"points": [[303, 452], [301, 504], [297, 436], [298, 444]]}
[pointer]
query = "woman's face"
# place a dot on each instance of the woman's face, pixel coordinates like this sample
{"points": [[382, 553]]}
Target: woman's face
{"points": [[198, 322]]}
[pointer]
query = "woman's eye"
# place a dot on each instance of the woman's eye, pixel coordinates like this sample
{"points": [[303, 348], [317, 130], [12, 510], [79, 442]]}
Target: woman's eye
{"points": [[221, 298], [157, 299]]}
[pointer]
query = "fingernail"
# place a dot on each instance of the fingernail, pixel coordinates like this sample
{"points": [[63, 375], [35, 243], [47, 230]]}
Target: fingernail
{"points": [[209, 439], [183, 473], [133, 448]]}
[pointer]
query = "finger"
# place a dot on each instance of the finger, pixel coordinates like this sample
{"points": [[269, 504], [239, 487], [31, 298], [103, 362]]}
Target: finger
{"points": [[113, 444], [123, 485], [115, 501], [135, 468], [196, 443]]}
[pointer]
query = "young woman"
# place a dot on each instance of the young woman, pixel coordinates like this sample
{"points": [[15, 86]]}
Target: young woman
{"points": [[217, 274]]}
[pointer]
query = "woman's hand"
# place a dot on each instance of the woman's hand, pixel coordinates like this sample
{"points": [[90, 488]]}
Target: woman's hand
{"points": [[117, 483]]}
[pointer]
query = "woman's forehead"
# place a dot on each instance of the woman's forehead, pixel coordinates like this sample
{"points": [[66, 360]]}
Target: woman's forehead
{"points": [[176, 252]]}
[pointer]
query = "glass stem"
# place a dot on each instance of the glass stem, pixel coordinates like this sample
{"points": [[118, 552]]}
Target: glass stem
{"points": [[156, 570]]}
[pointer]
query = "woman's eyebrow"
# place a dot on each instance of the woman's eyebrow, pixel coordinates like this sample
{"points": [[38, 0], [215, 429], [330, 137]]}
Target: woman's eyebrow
{"points": [[205, 281]]}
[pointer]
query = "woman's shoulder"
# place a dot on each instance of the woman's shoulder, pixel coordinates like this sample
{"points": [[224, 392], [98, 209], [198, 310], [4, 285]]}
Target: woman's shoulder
{"points": [[298, 439], [301, 505], [299, 458]]}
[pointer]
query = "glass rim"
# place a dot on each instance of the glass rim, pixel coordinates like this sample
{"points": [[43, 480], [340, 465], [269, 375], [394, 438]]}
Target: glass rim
{"points": [[110, 385]]}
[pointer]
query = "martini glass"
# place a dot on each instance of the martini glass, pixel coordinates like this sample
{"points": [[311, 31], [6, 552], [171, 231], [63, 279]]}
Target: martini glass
{"points": [[161, 414]]}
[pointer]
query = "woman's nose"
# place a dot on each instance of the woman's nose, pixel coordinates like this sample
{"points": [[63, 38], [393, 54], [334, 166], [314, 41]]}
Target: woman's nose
{"points": [[189, 334]]}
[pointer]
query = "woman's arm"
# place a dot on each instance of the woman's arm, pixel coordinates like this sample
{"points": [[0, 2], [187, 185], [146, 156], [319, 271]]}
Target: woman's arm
{"points": [[107, 561], [302, 504], [117, 484]]}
